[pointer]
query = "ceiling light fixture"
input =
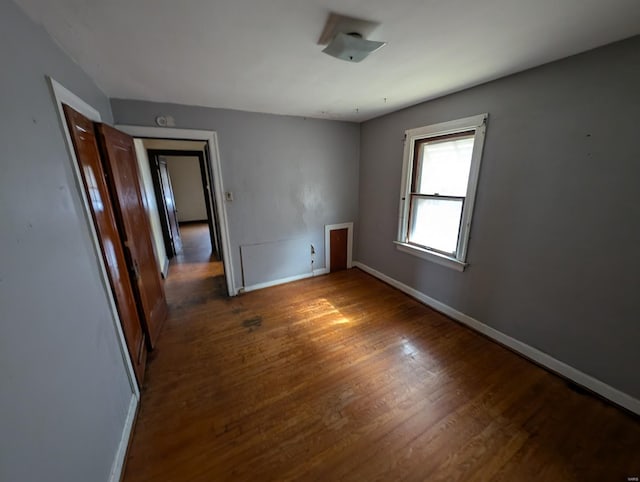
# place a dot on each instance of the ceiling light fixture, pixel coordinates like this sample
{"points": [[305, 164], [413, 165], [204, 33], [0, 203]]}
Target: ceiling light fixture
{"points": [[344, 38]]}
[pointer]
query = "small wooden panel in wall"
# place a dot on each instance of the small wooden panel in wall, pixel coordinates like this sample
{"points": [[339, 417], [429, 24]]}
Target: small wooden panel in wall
{"points": [[338, 249], [338, 245]]}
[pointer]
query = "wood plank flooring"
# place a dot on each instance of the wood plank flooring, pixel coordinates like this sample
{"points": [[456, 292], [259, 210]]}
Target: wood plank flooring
{"points": [[342, 377]]}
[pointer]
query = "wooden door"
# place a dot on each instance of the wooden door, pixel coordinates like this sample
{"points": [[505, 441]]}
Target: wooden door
{"points": [[210, 202], [169, 202], [165, 199], [119, 162], [338, 239], [95, 187]]}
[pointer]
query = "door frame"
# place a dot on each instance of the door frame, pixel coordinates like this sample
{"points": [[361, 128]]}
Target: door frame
{"points": [[327, 243], [209, 201], [211, 138], [62, 95]]}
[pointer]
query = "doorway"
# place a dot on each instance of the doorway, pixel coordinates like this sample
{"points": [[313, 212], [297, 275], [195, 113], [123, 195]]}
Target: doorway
{"points": [[184, 196], [172, 139]]}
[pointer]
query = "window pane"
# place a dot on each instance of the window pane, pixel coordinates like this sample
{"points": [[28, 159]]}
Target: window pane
{"points": [[435, 223], [444, 165]]}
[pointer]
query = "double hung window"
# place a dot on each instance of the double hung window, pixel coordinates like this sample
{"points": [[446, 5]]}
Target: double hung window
{"points": [[441, 167]]}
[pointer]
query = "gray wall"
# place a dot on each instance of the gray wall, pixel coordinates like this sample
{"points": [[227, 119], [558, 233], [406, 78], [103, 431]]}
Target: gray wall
{"points": [[64, 392], [553, 255], [289, 175], [186, 182]]}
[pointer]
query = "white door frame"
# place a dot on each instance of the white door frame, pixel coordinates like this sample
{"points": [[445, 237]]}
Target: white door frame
{"points": [[327, 243], [62, 95], [211, 137]]}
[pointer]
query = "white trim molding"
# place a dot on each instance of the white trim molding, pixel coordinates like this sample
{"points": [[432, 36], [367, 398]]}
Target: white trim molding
{"points": [[281, 281], [61, 96], [276, 282], [456, 260], [327, 243], [552, 364], [429, 255], [127, 431], [216, 167]]}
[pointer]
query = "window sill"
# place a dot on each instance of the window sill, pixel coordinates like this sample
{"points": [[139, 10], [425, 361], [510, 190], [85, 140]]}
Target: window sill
{"points": [[432, 256]]}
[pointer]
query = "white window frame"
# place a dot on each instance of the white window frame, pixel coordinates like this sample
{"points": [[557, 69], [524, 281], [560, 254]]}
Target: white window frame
{"points": [[477, 123]]}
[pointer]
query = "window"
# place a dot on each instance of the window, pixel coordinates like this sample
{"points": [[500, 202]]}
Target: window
{"points": [[440, 174]]}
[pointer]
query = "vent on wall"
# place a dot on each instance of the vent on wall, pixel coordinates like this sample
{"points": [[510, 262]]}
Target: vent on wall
{"points": [[266, 263]]}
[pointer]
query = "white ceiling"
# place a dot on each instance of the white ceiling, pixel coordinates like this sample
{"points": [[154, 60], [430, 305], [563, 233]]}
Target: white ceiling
{"points": [[261, 55]]}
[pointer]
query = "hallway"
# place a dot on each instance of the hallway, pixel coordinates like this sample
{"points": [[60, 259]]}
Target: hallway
{"points": [[342, 377], [196, 292], [195, 277]]}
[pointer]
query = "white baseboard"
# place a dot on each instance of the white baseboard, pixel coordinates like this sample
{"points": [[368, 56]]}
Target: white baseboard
{"points": [[529, 352], [118, 461], [281, 281], [165, 268]]}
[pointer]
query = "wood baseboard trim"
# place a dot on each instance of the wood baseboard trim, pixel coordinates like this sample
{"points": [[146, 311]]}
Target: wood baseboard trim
{"points": [[117, 468], [530, 353]]}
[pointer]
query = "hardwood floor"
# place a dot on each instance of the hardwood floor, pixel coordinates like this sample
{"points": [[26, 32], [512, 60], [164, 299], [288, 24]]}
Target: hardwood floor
{"points": [[196, 245], [342, 377]]}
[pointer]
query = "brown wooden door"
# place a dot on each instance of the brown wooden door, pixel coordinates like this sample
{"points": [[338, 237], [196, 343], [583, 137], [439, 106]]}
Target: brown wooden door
{"points": [[119, 162], [170, 205], [95, 187], [338, 249], [210, 202], [166, 203]]}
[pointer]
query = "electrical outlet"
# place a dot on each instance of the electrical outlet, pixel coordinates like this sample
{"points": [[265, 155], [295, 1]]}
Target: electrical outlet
{"points": [[228, 196], [313, 250]]}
